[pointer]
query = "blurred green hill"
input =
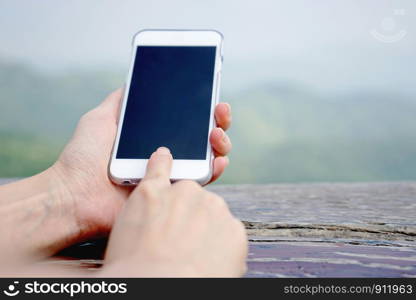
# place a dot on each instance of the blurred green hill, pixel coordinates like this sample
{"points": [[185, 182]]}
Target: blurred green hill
{"points": [[282, 132], [290, 134]]}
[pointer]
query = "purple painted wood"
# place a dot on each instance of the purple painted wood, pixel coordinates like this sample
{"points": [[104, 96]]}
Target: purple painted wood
{"points": [[312, 259]]}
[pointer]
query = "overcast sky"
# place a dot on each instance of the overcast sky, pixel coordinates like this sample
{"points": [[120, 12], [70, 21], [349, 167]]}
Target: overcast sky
{"points": [[321, 43]]}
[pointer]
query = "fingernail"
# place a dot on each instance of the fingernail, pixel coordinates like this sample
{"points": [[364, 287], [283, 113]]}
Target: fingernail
{"points": [[163, 151], [228, 107], [227, 159], [223, 135]]}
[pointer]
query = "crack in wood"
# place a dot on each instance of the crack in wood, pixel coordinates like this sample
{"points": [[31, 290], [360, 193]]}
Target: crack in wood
{"points": [[345, 231], [330, 241]]}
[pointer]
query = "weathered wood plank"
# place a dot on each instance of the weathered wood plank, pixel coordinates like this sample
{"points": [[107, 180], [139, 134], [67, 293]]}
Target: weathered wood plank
{"points": [[317, 230], [391, 203], [337, 229]]}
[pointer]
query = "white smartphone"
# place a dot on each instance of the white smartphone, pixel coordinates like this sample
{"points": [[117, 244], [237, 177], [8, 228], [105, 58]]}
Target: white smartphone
{"points": [[169, 100]]}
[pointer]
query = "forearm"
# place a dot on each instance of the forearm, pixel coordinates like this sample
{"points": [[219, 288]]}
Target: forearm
{"points": [[36, 217], [47, 268]]}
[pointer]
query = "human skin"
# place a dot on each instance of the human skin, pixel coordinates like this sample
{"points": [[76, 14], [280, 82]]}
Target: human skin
{"points": [[166, 230], [74, 199], [174, 230]]}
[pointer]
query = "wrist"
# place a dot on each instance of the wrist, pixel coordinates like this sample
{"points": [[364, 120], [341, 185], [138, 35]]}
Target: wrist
{"points": [[77, 195], [37, 216]]}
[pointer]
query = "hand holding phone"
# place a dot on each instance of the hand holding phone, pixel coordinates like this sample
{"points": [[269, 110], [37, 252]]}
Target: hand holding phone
{"points": [[80, 176]]}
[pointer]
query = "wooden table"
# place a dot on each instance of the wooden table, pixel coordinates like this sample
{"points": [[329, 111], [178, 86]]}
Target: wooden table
{"points": [[318, 230], [328, 230]]}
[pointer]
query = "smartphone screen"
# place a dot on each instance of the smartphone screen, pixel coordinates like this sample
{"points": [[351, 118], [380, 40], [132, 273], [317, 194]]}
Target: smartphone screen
{"points": [[169, 102]]}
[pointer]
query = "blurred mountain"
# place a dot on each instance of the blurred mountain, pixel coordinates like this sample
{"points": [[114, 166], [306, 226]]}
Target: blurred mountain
{"points": [[281, 132], [49, 105], [289, 133]]}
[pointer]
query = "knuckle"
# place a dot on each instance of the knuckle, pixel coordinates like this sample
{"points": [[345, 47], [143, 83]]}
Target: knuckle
{"points": [[226, 122], [147, 190], [91, 115], [86, 117], [230, 145], [229, 120], [216, 202], [188, 185], [240, 231], [115, 93], [156, 174], [239, 225]]}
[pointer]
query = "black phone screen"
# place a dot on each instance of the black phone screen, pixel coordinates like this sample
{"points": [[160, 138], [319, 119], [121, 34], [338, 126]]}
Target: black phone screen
{"points": [[169, 102]]}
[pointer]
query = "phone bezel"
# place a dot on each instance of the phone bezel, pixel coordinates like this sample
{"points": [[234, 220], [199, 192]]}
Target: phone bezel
{"points": [[130, 171]]}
